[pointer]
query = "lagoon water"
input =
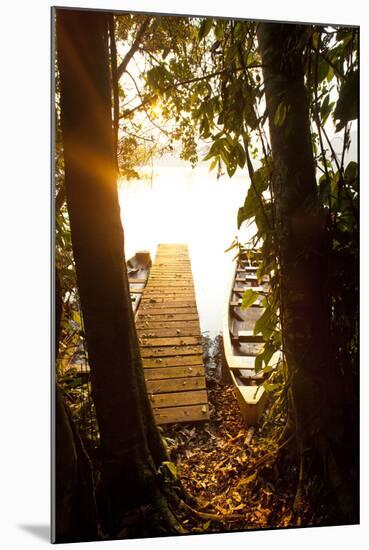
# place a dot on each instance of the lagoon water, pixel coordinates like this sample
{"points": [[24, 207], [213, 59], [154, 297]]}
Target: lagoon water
{"points": [[192, 206]]}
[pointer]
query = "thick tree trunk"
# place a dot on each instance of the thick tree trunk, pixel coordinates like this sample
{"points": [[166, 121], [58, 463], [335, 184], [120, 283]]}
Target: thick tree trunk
{"points": [[300, 229], [130, 445], [74, 507], [301, 235]]}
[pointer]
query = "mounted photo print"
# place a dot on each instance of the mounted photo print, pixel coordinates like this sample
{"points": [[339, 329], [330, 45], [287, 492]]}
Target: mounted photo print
{"points": [[206, 269]]}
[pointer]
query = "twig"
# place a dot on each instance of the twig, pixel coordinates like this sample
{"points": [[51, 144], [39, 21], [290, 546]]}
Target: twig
{"points": [[319, 126], [252, 179], [185, 83], [136, 43], [334, 156], [327, 60], [137, 136], [147, 113]]}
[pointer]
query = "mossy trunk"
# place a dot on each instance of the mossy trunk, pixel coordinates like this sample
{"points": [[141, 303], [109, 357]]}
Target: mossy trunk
{"points": [[301, 233], [130, 446]]}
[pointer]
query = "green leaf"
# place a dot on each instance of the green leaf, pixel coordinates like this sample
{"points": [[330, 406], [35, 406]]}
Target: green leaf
{"points": [[76, 317], [240, 155], [268, 387], [231, 53], [249, 209], [315, 39], [205, 27], [268, 354], [261, 180], [233, 245], [268, 369], [324, 188], [324, 106], [219, 30], [214, 150], [171, 467], [323, 70], [280, 114], [347, 104], [351, 172], [330, 74], [258, 363], [213, 164], [231, 168], [347, 39], [263, 324], [249, 297]]}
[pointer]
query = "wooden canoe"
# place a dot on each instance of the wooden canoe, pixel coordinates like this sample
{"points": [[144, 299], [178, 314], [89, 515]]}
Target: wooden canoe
{"points": [[138, 268], [241, 346]]}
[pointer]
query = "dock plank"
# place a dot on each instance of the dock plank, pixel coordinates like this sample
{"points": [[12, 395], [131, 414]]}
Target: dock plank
{"points": [[152, 342], [173, 361], [169, 351], [178, 319], [191, 413], [169, 334], [170, 324], [176, 399], [165, 373], [176, 385], [166, 332]]}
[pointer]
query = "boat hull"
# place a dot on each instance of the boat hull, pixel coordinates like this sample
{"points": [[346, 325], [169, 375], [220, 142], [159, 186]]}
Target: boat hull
{"points": [[251, 395]]}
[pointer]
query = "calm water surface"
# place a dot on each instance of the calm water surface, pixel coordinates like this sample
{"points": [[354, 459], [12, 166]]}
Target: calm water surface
{"points": [[185, 205]]}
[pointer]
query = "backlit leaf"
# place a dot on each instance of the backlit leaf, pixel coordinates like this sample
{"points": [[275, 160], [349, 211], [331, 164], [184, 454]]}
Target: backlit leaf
{"points": [[347, 104], [171, 467], [249, 297], [205, 27]]}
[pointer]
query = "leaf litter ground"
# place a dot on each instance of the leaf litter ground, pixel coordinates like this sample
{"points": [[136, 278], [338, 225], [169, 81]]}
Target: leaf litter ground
{"points": [[237, 479]]}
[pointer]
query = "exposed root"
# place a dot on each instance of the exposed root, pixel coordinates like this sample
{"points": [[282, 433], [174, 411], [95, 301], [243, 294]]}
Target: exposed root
{"points": [[207, 515], [170, 520], [298, 500], [273, 453]]}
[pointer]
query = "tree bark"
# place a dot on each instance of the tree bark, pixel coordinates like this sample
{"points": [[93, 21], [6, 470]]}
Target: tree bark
{"points": [[299, 221], [130, 446], [74, 507], [301, 233]]}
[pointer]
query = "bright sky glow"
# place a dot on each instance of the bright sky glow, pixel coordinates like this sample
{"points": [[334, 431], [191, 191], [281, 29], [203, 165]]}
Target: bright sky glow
{"points": [[193, 207]]}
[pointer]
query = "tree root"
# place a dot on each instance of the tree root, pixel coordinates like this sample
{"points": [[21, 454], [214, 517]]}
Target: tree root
{"points": [[297, 503], [271, 454], [171, 522], [203, 515], [208, 515]]}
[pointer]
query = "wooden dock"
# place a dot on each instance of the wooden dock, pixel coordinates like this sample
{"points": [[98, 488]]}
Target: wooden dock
{"points": [[170, 339]]}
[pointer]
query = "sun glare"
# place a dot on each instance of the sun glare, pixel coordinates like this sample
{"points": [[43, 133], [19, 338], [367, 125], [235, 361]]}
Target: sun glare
{"points": [[156, 109]]}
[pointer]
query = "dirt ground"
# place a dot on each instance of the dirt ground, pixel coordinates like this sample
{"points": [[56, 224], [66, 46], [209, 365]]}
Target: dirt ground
{"points": [[236, 476]]}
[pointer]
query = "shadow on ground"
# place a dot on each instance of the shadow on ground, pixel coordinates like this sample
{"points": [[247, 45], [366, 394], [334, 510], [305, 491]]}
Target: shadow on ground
{"points": [[40, 531]]}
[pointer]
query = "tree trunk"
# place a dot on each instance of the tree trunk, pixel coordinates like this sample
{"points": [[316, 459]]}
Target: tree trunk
{"points": [[299, 226], [301, 235], [130, 446], [74, 507]]}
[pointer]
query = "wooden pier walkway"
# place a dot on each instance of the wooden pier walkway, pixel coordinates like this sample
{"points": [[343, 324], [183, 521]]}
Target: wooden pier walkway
{"points": [[170, 339]]}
